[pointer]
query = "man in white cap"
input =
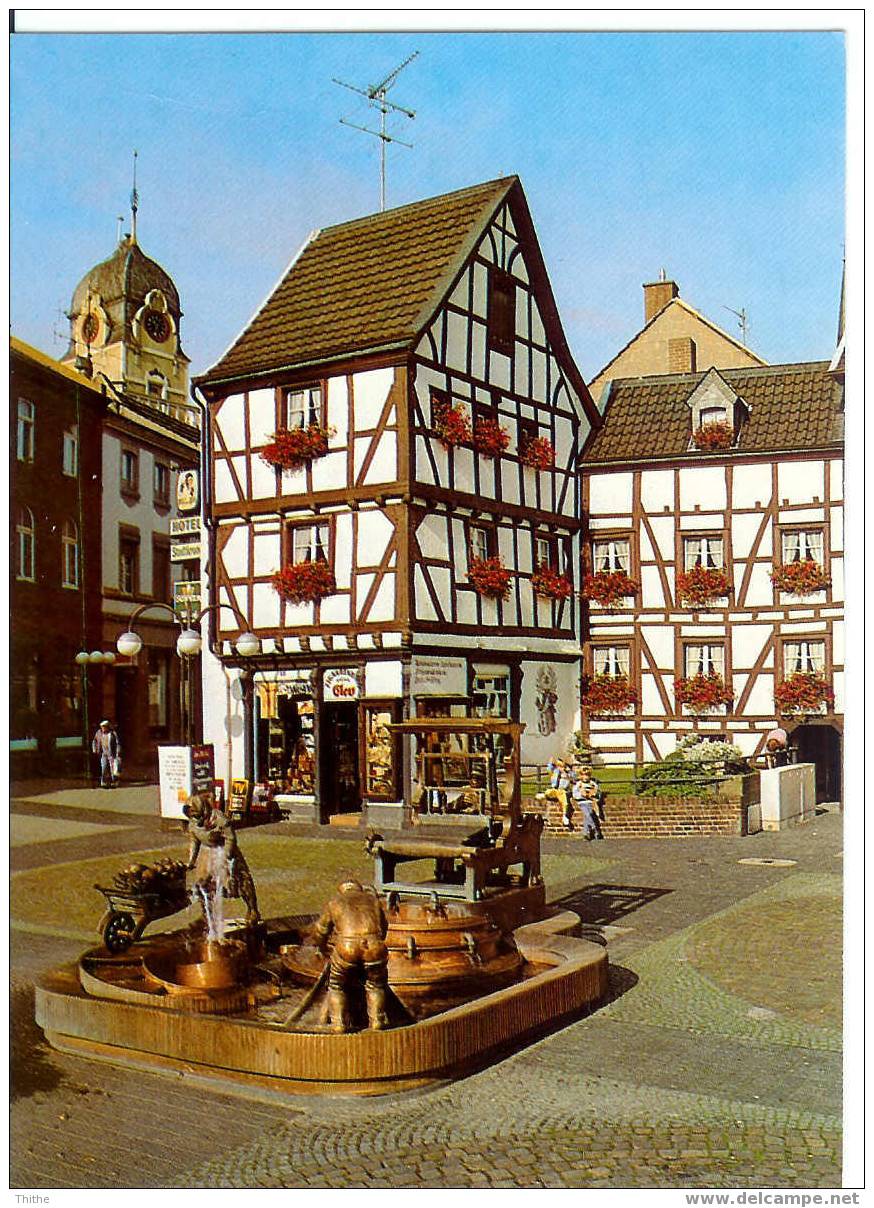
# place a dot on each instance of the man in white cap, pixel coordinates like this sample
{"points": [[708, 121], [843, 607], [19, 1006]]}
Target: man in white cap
{"points": [[107, 746]]}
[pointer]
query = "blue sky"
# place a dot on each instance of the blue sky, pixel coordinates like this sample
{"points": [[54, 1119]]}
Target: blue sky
{"points": [[718, 156]]}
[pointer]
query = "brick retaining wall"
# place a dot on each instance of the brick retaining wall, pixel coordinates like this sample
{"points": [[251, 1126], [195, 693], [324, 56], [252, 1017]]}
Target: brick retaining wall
{"points": [[652, 817]]}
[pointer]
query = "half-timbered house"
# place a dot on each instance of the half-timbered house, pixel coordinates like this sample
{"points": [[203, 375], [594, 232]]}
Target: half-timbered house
{"points": [[714, 548], [393, 506]]}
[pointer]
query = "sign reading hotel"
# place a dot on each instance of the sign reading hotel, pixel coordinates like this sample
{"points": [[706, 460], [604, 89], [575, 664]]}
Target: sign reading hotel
{"points": [[341, 684], [430, 676], [185, 526]]}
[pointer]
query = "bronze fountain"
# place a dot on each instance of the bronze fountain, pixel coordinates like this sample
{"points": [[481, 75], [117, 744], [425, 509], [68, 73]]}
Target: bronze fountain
{"points": [[395, 985]]}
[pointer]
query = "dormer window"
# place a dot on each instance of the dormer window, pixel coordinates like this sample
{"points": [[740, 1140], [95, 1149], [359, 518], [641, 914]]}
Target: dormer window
{"points": [[717, 414]]}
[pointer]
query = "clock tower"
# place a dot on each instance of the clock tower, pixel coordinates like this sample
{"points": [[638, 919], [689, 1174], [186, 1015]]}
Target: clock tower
{"points": [[125, 324]]}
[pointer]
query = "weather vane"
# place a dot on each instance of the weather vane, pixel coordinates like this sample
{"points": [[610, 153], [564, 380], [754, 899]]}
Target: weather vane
{"points": [[376, 96]]}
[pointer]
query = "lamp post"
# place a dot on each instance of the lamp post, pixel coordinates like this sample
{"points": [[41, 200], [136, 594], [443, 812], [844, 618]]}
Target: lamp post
{"points": [[189, 644], [83, 660]]}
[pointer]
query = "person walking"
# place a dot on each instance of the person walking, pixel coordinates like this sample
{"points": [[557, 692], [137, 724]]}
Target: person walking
{"points": [[107, 747], [586, 792]]}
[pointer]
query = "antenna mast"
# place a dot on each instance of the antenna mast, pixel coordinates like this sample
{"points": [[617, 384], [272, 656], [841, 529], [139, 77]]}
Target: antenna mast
{"points": [[376, 96], [743, 321], [134, 203]]}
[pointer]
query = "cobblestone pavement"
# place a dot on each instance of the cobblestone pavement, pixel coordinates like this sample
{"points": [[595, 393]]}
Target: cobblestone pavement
{"points": [[679, 1080]]}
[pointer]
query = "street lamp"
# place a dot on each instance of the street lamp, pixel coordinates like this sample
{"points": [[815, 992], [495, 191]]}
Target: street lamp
{"points": [[188, 644]]}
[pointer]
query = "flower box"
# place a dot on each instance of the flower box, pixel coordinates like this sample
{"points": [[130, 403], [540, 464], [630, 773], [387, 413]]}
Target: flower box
{"points": [[801, 578], [302, 582], [490, 577], [702, 585], [608, 587], [712, 437], [489, 438], [452, 425], [609, 695], [549, 583], [538, 453], [291, 448], [803, 692], [701, 693]]}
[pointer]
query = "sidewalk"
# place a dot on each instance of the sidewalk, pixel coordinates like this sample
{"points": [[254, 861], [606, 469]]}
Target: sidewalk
{"points": [[128, 798]]}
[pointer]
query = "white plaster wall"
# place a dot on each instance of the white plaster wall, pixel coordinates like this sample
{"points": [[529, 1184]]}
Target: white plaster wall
{"points": [[652, 593], [383, 679], [751, 486], [265, 607], [268, 553], [262, 418], [335, 610], [343, 549], [836, 479], [480, 290], [663, 532], [337, 410], [610, 493], [537, 747], [370, 391], [743, 534], [230, 421], [235, 554], [761, 699], [799, 481], [837, 529], [651, 701], [747, 642], [657, 490], [328, 473], [704, 486], [660, 640], [424, 607], [375, 530], [456, 341], [760, 592], [223, 487], [222, 718], [263, 479]]}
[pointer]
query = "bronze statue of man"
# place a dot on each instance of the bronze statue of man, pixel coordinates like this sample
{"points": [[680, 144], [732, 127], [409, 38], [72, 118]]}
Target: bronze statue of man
{"points": [[209, 829], [356, 919]]}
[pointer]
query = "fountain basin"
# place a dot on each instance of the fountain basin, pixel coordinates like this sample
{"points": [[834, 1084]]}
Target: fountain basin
{"points": [[207, 965], [245, 1051]]}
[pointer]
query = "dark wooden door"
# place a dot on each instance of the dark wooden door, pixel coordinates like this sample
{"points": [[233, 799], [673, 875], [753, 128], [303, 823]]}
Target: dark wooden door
{"points": [[340, 787]]}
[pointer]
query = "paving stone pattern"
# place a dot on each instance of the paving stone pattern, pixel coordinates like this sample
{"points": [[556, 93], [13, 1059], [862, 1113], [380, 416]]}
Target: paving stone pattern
{"points": [[674, 1082]]}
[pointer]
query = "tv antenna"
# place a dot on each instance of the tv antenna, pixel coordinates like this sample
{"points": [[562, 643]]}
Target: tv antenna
{"points": [[376, 96], [59, 335], [742, 321]]}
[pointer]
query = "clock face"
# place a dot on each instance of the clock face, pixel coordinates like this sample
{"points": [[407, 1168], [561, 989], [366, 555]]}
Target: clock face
{"points": [[157, 325], [90, 328]]}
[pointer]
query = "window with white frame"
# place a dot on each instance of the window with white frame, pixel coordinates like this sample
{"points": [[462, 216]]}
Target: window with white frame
{"points": [[309, 543], [702, 551], [303, 406], [612, 553], [70, 554], [802, 545], [71, 452], [546, 552], [705, 658], [803, 656], [25, 441], [25, 533], [611, 660], [713, 415], [480, 542]]}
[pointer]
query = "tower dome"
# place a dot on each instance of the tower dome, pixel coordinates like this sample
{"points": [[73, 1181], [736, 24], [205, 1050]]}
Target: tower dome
{"points": [[125, 323]]}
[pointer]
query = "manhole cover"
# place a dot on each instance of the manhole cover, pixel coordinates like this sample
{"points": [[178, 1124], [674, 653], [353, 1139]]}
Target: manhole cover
{"points": [[772, 863]]}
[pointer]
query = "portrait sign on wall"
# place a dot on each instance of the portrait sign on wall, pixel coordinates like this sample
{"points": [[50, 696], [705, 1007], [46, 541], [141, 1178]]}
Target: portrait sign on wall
{"points": [[187, 491]]}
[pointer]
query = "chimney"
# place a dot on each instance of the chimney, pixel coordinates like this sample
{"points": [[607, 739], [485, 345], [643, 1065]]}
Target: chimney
{"points": [[657, 294], [682, 355]]}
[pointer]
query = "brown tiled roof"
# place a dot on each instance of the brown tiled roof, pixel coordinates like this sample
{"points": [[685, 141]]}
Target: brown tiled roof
{"points": [[791, 407], [364, 285]]}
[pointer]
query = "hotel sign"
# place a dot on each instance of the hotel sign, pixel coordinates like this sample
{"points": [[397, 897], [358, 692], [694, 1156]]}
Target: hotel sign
{"points": [[184, 551], [185, 526]]}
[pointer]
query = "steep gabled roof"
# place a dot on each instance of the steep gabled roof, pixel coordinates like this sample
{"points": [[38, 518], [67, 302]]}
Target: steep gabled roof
{"points": [[374, 284], [696, 314], [792, 407]]}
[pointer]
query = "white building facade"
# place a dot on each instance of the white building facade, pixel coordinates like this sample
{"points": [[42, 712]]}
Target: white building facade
{"points": [[440, 513], [709, 540]]}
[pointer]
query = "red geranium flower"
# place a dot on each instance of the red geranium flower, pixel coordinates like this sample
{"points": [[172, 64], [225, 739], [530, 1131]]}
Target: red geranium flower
{"points": [[803, 692], [608, 695], [709, 438], [300, 582], [490, 577], [450, 423], [548, 582], [608, 587], [702, 692], [291, 448], [489, 437], [701, 585], [802, 578], [538, 453]]}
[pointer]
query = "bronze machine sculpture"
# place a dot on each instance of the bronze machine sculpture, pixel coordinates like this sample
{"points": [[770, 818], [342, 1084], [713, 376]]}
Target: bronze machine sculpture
{"points": [[393, 986]]}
